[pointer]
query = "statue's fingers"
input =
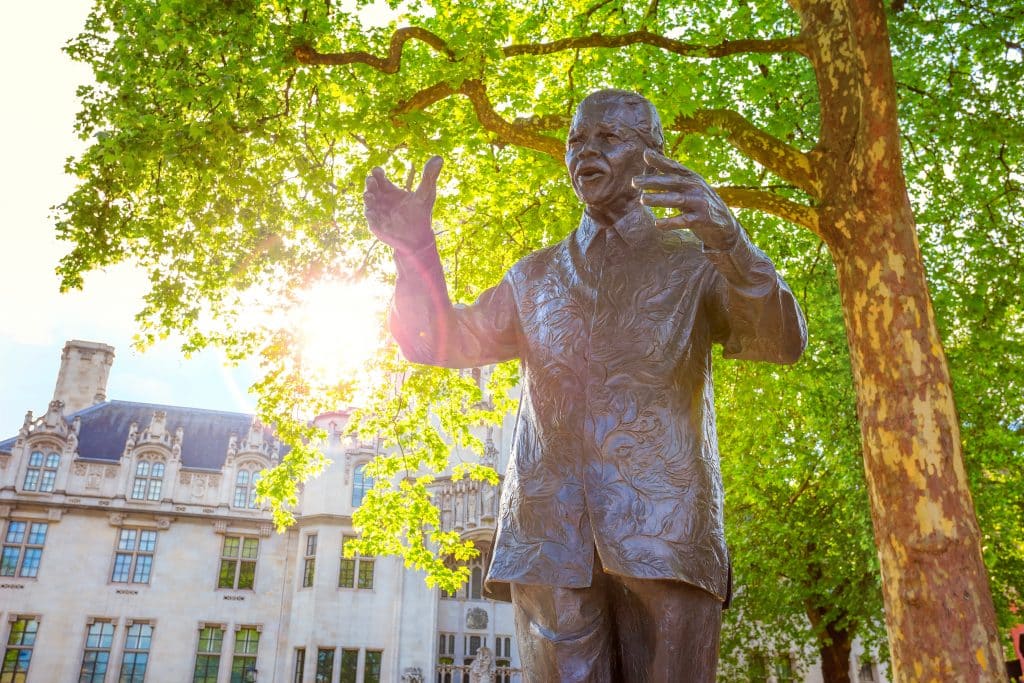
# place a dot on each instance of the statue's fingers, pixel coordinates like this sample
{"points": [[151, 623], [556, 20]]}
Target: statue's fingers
{"points": [[662, 183], [382, 180], [431, 171], [664, 164], [680, 222], [684, 201]]}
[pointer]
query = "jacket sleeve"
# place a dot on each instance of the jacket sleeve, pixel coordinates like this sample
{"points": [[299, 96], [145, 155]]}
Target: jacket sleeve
{"points": [[430, 330], [753, 313]]}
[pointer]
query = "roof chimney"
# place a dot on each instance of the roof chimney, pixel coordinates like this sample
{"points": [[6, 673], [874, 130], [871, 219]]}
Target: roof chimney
{"points": [[82, 380]]}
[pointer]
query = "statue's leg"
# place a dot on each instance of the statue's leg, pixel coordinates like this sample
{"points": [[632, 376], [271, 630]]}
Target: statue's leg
{"points": [[564, 634], [667, 630]]}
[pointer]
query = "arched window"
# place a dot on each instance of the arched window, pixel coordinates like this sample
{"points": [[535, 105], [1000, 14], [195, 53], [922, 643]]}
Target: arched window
{"points": [[245, 488], [149, 480], [476, 583], [42, 471], [474, 588], [361, 483]]}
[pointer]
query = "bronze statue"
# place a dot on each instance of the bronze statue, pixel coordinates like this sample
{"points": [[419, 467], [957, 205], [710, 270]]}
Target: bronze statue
{"points": [[609, 539]]}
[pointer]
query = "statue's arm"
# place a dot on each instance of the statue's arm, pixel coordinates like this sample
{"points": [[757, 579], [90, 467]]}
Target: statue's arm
{"points": [[752, 311], [427, 327], [430, 330]]}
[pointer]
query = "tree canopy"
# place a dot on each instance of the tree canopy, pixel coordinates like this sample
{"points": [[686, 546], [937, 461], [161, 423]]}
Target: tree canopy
{"points": [[229, 141]]}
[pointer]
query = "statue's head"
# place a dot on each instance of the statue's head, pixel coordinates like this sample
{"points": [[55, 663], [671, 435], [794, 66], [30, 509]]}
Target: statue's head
{"points": [[605, 148]]}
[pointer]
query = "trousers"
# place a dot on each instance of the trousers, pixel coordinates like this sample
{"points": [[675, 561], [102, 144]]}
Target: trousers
{"points": [[618, 630]]}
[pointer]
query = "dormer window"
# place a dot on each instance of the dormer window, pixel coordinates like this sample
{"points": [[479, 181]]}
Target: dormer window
{"points": [[42, 472], [245, 488], [149, 480]]}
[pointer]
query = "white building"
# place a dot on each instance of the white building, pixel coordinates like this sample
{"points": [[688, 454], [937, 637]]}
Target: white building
{"points": [[133, 547], [133, 550]]}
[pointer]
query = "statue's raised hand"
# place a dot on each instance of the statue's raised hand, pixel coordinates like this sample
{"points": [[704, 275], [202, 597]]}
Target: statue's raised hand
{"points": [[700, 208], [397, 217]]}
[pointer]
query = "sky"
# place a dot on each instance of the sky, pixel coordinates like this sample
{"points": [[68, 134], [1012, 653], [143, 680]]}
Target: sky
{"points": [[36, 136]]}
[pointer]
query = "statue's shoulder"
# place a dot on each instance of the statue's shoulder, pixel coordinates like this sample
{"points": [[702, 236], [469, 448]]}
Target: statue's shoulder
{"points": [[536, 263]]}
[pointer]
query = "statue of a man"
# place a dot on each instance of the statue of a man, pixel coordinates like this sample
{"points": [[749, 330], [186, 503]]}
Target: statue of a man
{"points": [[610, 538]]}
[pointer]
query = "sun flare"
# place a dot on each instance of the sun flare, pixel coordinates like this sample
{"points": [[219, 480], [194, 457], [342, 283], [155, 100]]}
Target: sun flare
{"points": [[340, 327]]}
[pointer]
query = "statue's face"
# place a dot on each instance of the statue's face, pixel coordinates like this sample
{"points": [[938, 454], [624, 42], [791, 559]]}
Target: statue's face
{"points": [[603, 153]]}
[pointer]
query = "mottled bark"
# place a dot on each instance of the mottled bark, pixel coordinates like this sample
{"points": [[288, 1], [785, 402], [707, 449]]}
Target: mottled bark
{"points": [[939, 612]]}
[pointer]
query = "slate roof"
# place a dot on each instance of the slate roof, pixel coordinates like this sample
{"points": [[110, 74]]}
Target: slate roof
{"points": [[204, 444]]}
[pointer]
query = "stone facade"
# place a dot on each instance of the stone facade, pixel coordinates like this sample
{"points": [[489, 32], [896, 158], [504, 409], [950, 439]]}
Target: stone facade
{"points": [[131, 536]]}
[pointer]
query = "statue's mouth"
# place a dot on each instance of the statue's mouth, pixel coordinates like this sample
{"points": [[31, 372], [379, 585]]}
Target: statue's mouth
{"points": [[589, 173]]}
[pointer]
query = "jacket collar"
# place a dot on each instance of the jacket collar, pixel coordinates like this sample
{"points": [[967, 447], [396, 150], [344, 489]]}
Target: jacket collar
{"points": [[633, 228]]}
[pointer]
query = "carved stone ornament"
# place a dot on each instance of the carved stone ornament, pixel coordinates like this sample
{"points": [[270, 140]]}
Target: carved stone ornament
{"points": [[476, 618], [482, 668], [412, 674], [116, 518]]}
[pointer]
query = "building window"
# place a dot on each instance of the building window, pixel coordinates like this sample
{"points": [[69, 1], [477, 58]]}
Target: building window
{"points": [[784, 669], [238, 562], [136, 653], [42, 472], [446, 645], [133, 560], [445, 656], [361, 483], [300, 665], [149, 480], [245, 488], [97, 652], [309, 563], [243, 664], [23, 548], [503, 658], [371, 668], [476, 583], [18, 654], [757, 668], [211, 638], [866, 673], [324, 665], [356, 571], [349, 666]]}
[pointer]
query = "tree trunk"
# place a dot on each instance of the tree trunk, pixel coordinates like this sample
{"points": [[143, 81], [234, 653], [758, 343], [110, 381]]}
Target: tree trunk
{"points": [[835, 656], [834, 644], [939, 613]]}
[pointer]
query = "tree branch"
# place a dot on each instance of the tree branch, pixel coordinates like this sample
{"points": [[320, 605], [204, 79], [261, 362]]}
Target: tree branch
{"points": [[783, 160], [306, 54], [523, 132], [644, 37], [745, 198]]}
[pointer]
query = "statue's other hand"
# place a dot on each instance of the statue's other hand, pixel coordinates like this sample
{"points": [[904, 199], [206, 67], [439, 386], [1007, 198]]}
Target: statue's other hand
{"points": [[700, 208], [400, 218]]}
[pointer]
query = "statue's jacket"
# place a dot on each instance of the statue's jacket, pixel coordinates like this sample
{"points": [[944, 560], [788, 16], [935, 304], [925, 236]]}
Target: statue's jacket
{"points": [[614, 446]]}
